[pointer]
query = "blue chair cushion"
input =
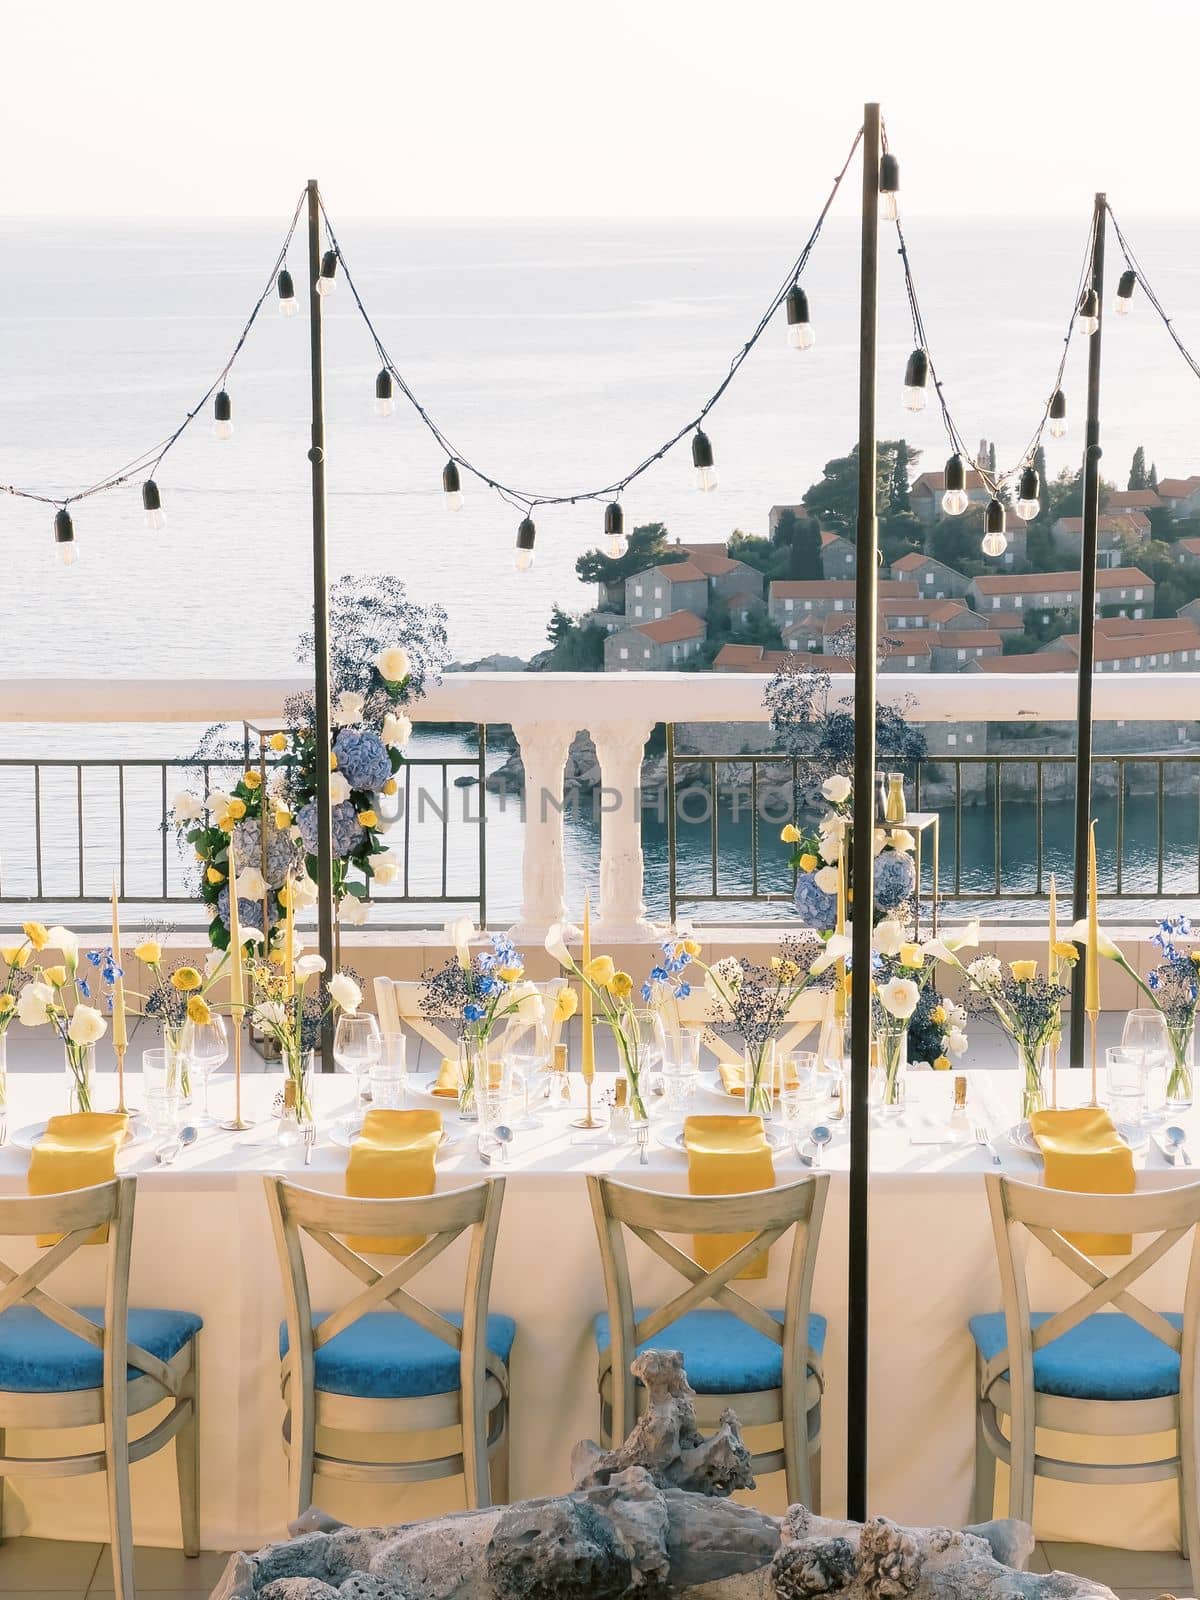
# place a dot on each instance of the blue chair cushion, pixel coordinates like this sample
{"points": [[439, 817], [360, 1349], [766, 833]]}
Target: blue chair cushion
{"points": [[720, 1353], [387, 1356], [39, 1357], [1107, 1357]]}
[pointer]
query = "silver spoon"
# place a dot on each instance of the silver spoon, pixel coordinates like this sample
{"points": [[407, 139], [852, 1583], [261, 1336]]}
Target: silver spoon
{"points": [[819, 1138], [1177, 1138], [503, 1136], [167, 1153]]}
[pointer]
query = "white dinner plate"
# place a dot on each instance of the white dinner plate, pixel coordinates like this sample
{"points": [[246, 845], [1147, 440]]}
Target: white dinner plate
{"points": [[25, 1138], [344, 1133], [1021, 1136], [670, 1136]]}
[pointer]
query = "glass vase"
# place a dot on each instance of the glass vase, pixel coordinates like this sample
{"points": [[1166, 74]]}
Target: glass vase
{"points": [[891, 1047], [1032, 1062], [179, 1066], [1181, 1069], [472, 1065], [758, 1069], [3, 1073], [81, 1075], [641, 1047], [296, 1103]]}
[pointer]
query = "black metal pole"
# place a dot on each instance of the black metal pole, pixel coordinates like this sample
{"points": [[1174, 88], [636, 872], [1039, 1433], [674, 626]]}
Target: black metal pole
{"points": [[321, 719], [862, 857], [1087, 629]]}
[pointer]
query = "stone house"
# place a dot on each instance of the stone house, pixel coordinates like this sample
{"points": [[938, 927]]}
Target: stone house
{"points": [[954, 648], [1187, 553], [659, 591], [933, 578], [1025, 592], [657, 645], [1146, 500], [790, 599], [1049, 660], [1114, 530], [1156, 644], [839, 558], [745, 606], [929, 487], [1181, 496]]}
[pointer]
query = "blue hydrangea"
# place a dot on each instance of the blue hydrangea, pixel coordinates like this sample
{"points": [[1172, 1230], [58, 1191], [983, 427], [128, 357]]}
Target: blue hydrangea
{"points": [[347, 829], [363, 758], [250, 912], [813, 906], [895, 879]]}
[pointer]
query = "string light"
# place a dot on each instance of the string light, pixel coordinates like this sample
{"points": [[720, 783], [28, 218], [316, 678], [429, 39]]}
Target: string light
{"points": [[1155, 303], [223, 416], [452, 486], [955, 500], [152, 506], [702, 460], [800, 328], [288, 304], [384, 404], [1088, 320], [1028, 504], [1058, 414], [65, 552], [614, 531], [889, 187], [1125, 288], [995, 540], [916, 380], [526, 534], [327, 282]]}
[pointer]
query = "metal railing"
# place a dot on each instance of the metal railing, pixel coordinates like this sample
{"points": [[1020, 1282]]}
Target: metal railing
{"points": [[70, 828], [1001, 833]]}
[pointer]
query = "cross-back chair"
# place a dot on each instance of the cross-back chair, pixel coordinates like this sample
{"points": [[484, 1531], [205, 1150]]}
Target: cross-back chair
{"points": [[695, 1011], [765, 1364], [68, 1367], [384, 1361], [398, 1003], [1107, 1364]]}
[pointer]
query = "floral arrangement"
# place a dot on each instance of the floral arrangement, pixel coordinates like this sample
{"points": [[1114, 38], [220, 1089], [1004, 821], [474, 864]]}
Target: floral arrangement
{"points": [[818, 732], [58, 994], [292, 1019], [1172, 988], [816, 852], [936, 1030], [754, 1000], [174, 998], [904, 997]]}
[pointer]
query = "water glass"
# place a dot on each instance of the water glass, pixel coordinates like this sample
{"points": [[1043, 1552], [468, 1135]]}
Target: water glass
{"points": [[164, 1110], [207, 1046], [800, 1072], [1126, 1095], [493, 1102], [679, 1087], [1145, 1034], [797, 1109], [356, 1049], [389, 1084], [684, 1049], [165, 1069]]}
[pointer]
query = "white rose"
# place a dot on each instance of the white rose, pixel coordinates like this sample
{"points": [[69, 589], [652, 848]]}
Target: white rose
{"points": [[956, 1041], [836, 789], [251, 884], [87, 1025], [216, 801], [186, 806], [339, 789], [308, 965], [345, 993], [349, 708], [878, 840], [889, 936], [353, 912], [826, 879], [33, 1004], [305, 891], [899, 996], [528, 1002], [397, 729], [393, 664], [271, 1014], [831, 848], [386, 867], [901, 839]]}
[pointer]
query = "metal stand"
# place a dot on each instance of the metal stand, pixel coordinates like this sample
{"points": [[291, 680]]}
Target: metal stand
{"points": [[237, 1123]]}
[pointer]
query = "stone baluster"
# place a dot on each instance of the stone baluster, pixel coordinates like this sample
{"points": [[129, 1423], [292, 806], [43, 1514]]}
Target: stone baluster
{"points": [[544, 747], [619, 750]]}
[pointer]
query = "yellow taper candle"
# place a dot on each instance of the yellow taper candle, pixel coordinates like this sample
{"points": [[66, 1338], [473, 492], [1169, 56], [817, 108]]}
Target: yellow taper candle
{"points": [[1091, 990], [588, 1052]]}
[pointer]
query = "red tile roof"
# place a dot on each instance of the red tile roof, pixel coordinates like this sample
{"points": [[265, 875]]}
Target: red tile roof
{"points": [[837, 589], [1107, 522], [935, 482], [1051, 661], [1049, 582], [676, 572], [668, 630], [915, 559], [1178, 488], [1130, 499]]}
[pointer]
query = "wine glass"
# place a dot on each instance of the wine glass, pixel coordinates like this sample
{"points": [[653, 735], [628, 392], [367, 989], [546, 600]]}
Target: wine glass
{"points": [[356, 1048], [1145, 1035], [207, 1048], [525, 1051]]}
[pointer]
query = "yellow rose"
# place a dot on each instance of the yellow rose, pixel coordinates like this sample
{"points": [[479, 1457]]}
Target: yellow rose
{"points": [[390, 787], [185, 979], [1023, 971], [237, 809], [790, 834], [621, 984], [1066, 951], [197, 1010], [600, 971], [938, 1015], [7, 1005], [809, 862], [283, 818], [911, 955], [278, 741], [565, 1005], [691, 947], [942, 1064], [368, 819], [16, 955], [36, 934], [252, 779], [150, 952], [55, 976], [215, 875], [509, 974]]}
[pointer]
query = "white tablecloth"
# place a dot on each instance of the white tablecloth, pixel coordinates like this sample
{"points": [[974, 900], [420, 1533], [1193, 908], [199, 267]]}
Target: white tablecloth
{"points": [[202, 1242]]}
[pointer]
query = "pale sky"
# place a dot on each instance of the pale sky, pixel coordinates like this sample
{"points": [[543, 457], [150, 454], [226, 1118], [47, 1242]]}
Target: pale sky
{"points": [[548, 108]]}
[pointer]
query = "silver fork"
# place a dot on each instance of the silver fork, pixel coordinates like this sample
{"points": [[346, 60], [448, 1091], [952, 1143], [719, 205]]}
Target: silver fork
{"points": [[643, 1139], [984, 1138], [310, 1139]]}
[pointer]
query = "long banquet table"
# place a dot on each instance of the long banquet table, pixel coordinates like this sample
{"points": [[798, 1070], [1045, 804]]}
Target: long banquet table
{"points": [[202, 1242]]}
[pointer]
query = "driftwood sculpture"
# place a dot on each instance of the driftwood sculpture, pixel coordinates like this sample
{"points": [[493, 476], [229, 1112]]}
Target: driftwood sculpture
{"points": [[649, 1519]]}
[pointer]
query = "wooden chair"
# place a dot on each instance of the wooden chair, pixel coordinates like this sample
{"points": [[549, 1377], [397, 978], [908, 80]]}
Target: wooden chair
{"points": [[1084, 1370], [810, 1010], [62, 1367], [384, 1362], [766, 1365], [398, 1004]]}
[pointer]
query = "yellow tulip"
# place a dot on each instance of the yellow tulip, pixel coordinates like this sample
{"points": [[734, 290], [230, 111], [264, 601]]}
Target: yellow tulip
{"points": [[7, 1005], [215, 875], [1065, 951], [790, 833], [621, 984], [252, 778], [691, 947], [911, 955], [1023, 971], [150, 951], [390, 787], [185, 979], [565, 1005], [16, 955], [808, 862], [197, 1010], [368, 818], [509, 974], [600, 971], [55, 976], [36, 934], [942, 1064]]}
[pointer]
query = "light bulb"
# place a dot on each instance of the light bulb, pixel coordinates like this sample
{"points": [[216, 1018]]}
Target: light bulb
{"points": [[384, 405], [223, 416], [327, 283], [614, 531], [889, 184], [916, 378], [1058, 414], [152, 506], [1088, 318], [994, 544], [702, 460], [452, 486], [800, 328], [955, 500], [288, 304], [1028, 504], [64, 539], [995, 541], [526, 534], [1125, 290]]}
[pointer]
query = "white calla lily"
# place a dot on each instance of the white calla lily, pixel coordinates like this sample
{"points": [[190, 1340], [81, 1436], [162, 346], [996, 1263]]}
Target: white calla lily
{"points": [[556, 946], [837, 948], [1107, 947]]}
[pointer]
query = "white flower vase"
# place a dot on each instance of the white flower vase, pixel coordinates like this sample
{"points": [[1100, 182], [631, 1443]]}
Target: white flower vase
{"points": [[891, 1045], [81, 1076]]}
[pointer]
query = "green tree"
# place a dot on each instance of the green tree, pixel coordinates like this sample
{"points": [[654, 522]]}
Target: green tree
{"points": [[797, 542], [1137, 470], [648, 547], [577, 647], [834, 500], [900, 500], [753, 549], [1152, 477]]}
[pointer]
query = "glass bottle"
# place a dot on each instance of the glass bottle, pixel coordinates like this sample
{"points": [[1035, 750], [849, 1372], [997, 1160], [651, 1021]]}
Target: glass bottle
{"points": [[896, 810], [288, 1132], [620, 1123], [881, 791], [560, 1083], [959, 1129]]}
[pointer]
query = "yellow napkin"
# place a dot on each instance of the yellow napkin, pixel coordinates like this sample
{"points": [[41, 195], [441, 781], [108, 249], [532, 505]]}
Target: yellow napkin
{"points": [[1084, 1154], [447, 1082], [727, 1155], [76, 1152], [393, 1158], [733, 1076]]}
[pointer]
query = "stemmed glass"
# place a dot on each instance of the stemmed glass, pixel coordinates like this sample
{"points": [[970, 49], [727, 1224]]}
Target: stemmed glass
{"points": [[356, 1048], [525, 1050], [207, 1048], [1145, 1036]]}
